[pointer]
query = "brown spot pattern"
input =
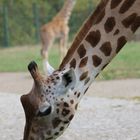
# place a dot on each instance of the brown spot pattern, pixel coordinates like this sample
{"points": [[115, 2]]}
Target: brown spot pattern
{"points": [[106, 48], [61, 128], [71, 117], [81, 51], [129, 20], [87, 80], [66, 104], [72, 101], [66, 122], [84, 75], [136, 24], [83, 62], [93, 38], [73, 63], [78, 95], [56, 122], [126, 5], [65, 112], [75, 93], [76, 106], [56, 133], [96, 60], [120, 43], [115, 3], [109, 24], [116, 32]]}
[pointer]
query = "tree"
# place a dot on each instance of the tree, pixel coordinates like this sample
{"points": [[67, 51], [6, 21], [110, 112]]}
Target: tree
{"points": [[21, 17]]}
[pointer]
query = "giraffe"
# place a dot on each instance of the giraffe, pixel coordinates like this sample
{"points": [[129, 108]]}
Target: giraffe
{"points": [[57, 28], [51, 104]]}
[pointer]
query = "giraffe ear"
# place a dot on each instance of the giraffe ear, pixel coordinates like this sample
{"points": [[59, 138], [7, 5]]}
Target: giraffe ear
{"points": [[48, 68], [69, 79]]}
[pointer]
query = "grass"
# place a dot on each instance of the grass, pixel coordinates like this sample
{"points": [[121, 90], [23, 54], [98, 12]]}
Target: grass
{"points": [[16, 59], [125, 65]]}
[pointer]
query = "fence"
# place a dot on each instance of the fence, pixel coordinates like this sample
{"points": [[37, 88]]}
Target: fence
{"points": [[21, 24]]}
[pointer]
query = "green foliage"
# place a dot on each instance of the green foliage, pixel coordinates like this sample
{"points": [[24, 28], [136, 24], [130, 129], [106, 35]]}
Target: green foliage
{"points": [[21, 17], [11, 58]]}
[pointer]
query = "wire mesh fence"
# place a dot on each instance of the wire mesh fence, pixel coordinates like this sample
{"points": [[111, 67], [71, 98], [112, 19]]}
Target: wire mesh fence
{"points": [[20, 23]]}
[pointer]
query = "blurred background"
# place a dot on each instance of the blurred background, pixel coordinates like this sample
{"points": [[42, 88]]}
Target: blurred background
{"points": [[110, 116], [20, 22]]}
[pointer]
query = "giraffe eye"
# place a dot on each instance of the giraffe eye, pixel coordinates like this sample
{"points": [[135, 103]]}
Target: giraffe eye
{"points": [[45, 112]]}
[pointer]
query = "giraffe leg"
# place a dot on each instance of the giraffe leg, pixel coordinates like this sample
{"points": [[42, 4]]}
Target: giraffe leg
{"points": [[63, 46], [66, 37], [46, 45], [61, 49]]}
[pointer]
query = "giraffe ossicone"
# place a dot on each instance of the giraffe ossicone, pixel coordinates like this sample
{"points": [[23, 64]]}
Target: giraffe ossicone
{"points": [[51, 104]]}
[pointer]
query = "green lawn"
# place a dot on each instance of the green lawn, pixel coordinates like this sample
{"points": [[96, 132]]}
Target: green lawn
{"points": [[125, 65], [16, 59]]}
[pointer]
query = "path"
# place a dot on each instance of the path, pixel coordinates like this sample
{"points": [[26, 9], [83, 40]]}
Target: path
{"points": [[21, 83]]}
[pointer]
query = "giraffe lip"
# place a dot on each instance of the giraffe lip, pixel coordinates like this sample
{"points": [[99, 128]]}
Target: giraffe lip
{"points": [[45, 113]]}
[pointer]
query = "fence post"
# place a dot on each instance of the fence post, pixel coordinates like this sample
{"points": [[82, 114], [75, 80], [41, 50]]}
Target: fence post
{"points": [[36, 22], [6, 41]]}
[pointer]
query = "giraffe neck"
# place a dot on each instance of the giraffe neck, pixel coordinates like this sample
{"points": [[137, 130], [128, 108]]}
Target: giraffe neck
{"points": [[66, 10], [101, 38]]}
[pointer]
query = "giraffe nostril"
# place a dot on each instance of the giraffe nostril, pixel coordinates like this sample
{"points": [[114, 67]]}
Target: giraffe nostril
{"points": [[45, 112]]}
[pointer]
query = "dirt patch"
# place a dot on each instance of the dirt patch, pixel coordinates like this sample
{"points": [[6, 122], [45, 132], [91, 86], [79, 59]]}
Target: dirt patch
{"points": [[21, 83]]}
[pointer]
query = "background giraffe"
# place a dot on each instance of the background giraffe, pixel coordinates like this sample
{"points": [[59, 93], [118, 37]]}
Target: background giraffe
{"points": [[52, 103], [57, 28]]}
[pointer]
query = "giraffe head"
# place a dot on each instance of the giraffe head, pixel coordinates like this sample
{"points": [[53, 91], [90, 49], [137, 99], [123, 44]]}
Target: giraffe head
{"points": [[48, 107]]}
